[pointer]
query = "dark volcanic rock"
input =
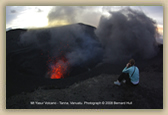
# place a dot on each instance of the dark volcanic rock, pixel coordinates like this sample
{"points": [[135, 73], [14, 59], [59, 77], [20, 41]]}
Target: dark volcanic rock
{"points": [[98, 90], [27, 64], [26, 69]]}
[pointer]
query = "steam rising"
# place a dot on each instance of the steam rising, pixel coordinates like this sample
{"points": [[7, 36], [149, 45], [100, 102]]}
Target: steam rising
{"points": [[123, 35], [74, 14], [71, 42], [127, 34], [67, 13]]}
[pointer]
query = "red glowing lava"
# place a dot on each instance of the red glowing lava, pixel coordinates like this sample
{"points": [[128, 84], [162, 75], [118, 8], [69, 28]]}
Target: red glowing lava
{"points": [[59, 69]]}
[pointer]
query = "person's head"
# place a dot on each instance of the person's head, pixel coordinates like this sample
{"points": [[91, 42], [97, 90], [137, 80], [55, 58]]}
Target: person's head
{"points": [[132, 62]]}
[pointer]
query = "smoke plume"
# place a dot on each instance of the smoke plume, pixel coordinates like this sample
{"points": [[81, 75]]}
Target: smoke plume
{"points": [[73, 42], [127, 34], [123, 35], [74, 14]]}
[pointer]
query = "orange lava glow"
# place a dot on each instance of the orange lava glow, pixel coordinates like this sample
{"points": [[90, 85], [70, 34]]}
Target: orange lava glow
{"points": [[59, 70]]}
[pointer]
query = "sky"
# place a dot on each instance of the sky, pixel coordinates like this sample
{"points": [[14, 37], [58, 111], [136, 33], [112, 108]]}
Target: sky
{"points": [[48, 16]]}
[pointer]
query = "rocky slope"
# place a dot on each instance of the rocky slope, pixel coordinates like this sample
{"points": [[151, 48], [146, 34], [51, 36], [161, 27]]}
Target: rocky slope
{"points": [[97, 92], [88, 87]]}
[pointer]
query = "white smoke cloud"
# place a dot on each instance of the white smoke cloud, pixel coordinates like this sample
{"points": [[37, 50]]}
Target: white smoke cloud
{"points": [[75, 14], [123, 35]]}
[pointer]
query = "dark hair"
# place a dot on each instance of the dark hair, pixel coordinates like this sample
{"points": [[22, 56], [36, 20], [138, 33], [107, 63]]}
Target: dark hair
{"points": [[132, 62]]}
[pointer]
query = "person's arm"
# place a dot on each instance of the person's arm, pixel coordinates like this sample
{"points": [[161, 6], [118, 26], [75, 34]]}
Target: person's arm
{"points": [[126, 69]]}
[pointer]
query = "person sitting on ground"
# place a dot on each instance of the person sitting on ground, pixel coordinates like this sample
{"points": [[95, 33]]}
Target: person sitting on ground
{"points": [[130, 74]]}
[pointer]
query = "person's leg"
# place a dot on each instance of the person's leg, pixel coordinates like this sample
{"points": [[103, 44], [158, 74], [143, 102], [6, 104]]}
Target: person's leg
{"points": [[123, 76]]}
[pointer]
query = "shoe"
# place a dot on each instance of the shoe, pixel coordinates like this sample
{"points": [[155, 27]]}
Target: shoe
{"points": [[124, 81], [117, 83]]}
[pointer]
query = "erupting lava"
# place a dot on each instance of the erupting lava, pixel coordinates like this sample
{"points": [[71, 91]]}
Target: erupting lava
{"points": [[59, 69]]}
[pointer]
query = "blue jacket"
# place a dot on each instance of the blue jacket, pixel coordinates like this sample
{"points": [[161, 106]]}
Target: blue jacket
{"points": [[135, 77]]}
